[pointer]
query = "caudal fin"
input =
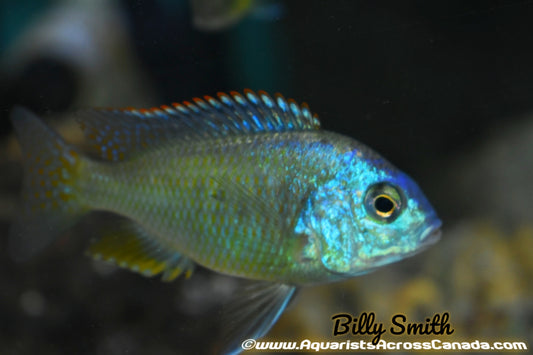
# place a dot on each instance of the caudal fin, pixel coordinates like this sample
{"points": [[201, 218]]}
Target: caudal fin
{"points": [[49, 201]]}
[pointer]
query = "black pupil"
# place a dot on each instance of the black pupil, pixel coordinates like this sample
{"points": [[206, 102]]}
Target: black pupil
{"points": [[383, 204]]}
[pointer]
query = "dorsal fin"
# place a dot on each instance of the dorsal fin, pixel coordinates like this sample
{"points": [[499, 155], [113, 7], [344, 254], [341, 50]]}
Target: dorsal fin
{"points": [[115, 133]]}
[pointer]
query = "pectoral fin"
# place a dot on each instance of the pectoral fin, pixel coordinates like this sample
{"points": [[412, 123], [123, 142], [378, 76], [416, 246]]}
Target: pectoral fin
{"points": [[253, 313]]}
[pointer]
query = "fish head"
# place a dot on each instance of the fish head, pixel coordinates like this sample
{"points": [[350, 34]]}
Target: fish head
{"points": [[368, 216]]}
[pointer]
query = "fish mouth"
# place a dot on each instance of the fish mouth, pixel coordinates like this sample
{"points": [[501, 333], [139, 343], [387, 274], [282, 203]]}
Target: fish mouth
{"points": [[430, 235]]}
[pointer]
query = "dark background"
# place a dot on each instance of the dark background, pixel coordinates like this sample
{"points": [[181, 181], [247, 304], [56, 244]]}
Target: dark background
{"points": [[432, 85], [415, 80]]}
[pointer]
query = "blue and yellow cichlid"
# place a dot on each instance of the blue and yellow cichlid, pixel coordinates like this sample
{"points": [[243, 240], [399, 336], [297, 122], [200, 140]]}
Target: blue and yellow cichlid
{"points": [[245, 185]]}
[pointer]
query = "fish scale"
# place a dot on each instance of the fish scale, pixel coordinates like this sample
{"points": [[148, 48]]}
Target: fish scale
{"points": [[243, 184], [209, 226]]}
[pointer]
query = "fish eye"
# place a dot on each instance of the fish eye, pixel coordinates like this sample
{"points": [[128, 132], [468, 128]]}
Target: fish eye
{"points": [[383, 202], [384, 205]]}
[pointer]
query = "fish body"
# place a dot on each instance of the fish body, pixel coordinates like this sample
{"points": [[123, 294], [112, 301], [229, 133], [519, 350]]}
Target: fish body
{"points": [[248, 186], [230, 204]]}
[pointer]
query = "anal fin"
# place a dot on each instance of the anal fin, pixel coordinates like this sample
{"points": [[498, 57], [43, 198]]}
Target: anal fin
{"points": [[129, 246]]}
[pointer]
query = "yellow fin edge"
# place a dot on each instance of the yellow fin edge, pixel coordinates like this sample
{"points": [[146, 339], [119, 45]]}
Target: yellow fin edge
{"points": [[138, 253]]}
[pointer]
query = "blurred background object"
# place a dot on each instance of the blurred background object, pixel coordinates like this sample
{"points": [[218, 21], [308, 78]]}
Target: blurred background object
{"points": [[73, 53], [216, 15], [443, 89]]}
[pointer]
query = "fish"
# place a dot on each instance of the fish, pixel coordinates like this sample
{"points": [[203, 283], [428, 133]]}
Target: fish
{"points": [[244, 184], [221, 15]]}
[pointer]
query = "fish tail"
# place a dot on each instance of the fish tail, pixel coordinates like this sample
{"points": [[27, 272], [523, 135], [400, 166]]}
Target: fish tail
{"points": [[50, 204]]}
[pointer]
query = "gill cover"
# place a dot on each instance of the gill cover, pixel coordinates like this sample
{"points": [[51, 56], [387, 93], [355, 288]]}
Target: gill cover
{"points": [[332, 235]]}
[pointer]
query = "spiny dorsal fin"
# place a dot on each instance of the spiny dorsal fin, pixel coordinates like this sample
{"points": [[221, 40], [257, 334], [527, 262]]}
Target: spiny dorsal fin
{"points": [[117, 132], [127, 245]]}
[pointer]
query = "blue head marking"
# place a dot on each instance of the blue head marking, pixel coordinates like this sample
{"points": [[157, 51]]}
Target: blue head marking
{"points": [[370, 214]]}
